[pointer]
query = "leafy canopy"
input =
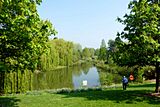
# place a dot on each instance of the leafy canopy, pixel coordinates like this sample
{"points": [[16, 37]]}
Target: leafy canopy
{"points": [[23, 35], [141, 34]]}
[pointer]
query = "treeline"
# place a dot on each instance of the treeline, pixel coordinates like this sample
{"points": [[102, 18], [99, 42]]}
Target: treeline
{"points": [[64, 53], [106, 53], [59, 53], [109, 59]]}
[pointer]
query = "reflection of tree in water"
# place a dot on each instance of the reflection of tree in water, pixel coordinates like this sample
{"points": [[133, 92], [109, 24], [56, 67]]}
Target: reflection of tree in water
{"points": [[61, 78], [86, 67], [77, 70]]}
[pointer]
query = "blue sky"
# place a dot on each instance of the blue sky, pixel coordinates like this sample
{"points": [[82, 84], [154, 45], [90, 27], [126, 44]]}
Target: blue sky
{"points": [[86, 22]]}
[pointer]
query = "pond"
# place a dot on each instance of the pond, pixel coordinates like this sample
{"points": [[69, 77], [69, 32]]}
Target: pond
{"points": [[92, 78], [72, 77]]}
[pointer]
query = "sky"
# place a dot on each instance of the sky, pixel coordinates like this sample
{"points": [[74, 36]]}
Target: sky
{"points": [[86, 22]]}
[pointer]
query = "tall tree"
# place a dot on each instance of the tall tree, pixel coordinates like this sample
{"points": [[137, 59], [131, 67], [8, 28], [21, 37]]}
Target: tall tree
{"points": [[111, 50], [142, 34], [92, 52], [23, 35], [103, 51], [85, 53], [96, 52], [77, 52]]}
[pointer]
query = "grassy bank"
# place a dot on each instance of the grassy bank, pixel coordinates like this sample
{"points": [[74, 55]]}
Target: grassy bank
{"points": [[135, 95]]}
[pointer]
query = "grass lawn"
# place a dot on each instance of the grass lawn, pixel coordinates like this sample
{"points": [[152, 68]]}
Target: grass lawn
{"points": [[134, 96]]}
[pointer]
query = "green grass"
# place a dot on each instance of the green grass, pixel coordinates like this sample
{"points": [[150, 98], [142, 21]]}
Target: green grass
{"points": [[134, 96]]}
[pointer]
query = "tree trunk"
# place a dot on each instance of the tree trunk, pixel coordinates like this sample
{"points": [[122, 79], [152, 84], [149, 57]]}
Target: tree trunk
{"points": [[30, 80], [17, 83], [2, 82], [157, 77]]}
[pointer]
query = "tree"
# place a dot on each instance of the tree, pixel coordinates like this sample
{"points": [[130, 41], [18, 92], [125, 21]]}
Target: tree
{"points": [[111, 46], [23, 35], [142, 34], [103, 44], [85, 53], [97, 52], [103, 51], [92, 52], [111, 51], [77, 51]]}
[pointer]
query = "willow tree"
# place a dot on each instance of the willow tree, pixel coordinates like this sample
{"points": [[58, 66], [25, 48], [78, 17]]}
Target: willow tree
{"points": [[142, 35], [23, 35]]}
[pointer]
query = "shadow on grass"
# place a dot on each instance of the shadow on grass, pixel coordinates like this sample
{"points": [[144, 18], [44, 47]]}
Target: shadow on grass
{"points": [[118, 96], [8, 101]]}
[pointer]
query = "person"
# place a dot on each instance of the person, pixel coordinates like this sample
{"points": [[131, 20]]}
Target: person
{"points": [[124, 82]]}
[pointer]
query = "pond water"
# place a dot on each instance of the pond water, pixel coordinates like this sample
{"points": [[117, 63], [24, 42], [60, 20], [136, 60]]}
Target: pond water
{"points": [[92, 78], [72, 77]]}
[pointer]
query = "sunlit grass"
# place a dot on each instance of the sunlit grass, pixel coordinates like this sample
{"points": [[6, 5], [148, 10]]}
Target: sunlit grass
{"points": [[135, 96]]}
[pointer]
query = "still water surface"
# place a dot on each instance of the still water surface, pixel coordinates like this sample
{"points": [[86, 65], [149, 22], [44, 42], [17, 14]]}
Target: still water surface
{"points": [[92, 78], [67, 78]]}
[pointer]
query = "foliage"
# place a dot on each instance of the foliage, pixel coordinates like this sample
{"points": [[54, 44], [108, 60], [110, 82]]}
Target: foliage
{"points": [[77, 52], [96, 52], [142, 33], [111, 50], [60, 53], [85, 53], [148, 72], [64, 53], [142, 30], [107, 78], [23, 38], [23, 83], [23, 35], [102, 51]]}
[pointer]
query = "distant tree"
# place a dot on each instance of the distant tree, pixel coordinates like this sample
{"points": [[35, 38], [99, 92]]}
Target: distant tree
{"points": [[92, 52], [77, 52], [142, 31], [103, 44], [85, 53], [111, 46], [61, 53], [102, 51], [111, 50], [96, 52]]}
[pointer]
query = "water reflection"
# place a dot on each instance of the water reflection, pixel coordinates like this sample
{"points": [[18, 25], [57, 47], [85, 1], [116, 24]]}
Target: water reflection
{"points": [[73, 77], [53, 79], [67, 78], [92, 78], [63, 78]]}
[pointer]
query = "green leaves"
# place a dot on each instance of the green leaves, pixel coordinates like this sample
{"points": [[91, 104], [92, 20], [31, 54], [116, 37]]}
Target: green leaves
{"points": [[142, 27], [102, 51], [23, 35]]}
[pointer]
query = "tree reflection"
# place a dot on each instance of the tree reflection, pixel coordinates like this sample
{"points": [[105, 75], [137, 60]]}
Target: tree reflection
{"points": [[53, 79]]}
